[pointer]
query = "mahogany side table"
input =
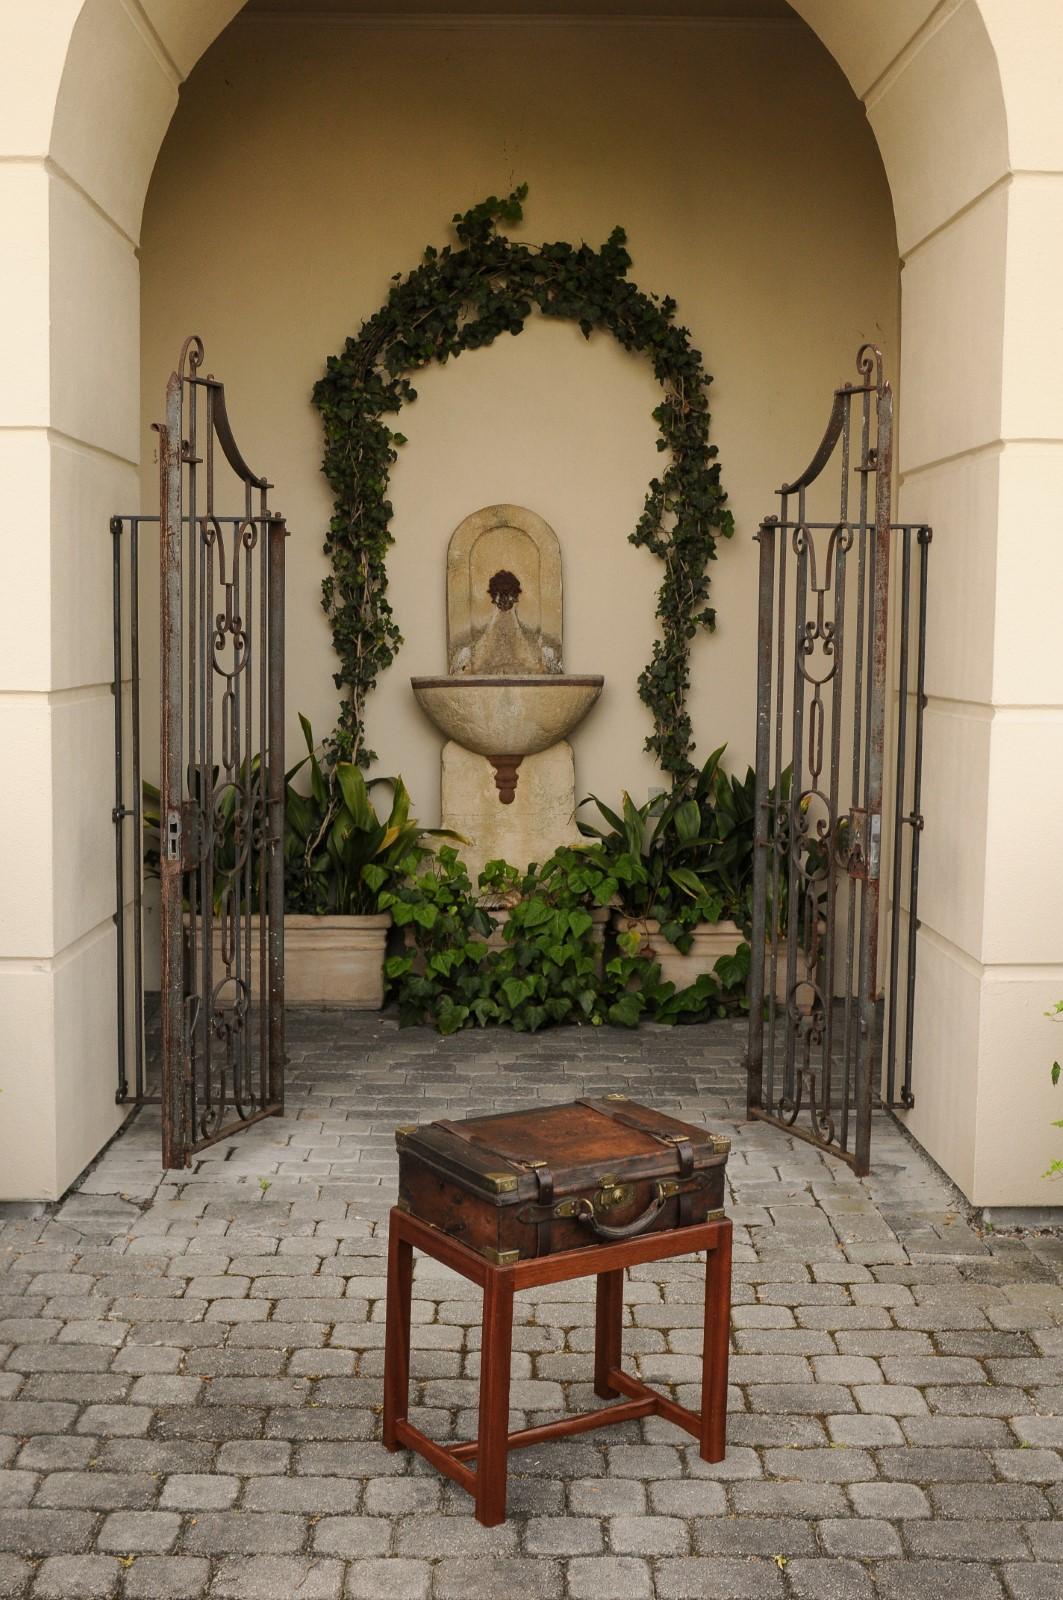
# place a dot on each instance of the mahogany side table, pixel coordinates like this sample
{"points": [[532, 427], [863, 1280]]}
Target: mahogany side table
{"points": [[487, 1484]]}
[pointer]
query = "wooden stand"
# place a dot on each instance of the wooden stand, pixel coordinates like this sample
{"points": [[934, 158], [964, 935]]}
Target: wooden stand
{"points": [[493, 1442]]}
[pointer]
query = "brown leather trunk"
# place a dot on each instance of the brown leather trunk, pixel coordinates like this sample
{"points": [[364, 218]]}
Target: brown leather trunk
{"points": [[530, 1183]]}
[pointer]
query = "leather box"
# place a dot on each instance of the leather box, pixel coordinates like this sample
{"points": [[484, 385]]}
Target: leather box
{"points": [[528, 1183]]}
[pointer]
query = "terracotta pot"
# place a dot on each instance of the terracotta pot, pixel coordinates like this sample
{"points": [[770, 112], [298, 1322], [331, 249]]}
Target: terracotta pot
{"points": [[328, 961], [711, 940]]}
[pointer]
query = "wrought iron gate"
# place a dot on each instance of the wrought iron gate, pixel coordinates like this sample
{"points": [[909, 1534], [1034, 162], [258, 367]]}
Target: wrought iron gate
{"points": [[221, 793], [815, 1049]]}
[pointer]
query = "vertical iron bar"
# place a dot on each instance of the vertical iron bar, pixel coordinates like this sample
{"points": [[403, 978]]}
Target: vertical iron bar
{"points": [[174, 1121], [837, 711], [776, 859], [907, 1098], [893, 999], [762, 841], [118, 814], [852, 1023], [878, 643], [275, 653], [805, 555], [262, 805], [138, 805], [213, 544]]}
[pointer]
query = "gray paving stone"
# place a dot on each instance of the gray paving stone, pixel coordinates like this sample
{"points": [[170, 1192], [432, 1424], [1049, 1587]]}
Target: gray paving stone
{"points": [[889, 1500], [1014, 1501], [271, 1577], [490, 1578], [250, 1457], [315, 1496], [754, 1536], [865, 1538], [607, 1497], [917, 1465], [124, 1532], [936, 1580], [40, 1533], [789, 1499], [967, 1540], [167, 1578], [567, 1536], [829, 1580], [243, 1533], [716, 1578], [821, 1466], [619, 1577], [76, 1578], [650, 1536], [434, 1536], [199, 1491], [400, 1579], [1034, 1580], [14, 1576], [698, 1497]]}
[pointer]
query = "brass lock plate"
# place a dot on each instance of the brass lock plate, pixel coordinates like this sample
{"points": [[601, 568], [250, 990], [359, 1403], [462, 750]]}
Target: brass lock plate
{"points": [[611, 1195]]}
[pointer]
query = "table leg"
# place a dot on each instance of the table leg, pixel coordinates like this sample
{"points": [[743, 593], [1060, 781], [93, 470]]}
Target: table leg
{"points": [[608, 1330], [716, 1347], [397, 1334], [493, 1433]]}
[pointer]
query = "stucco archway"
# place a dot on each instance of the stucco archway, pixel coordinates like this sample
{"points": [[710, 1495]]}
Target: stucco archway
{"points": [[957, 94]]}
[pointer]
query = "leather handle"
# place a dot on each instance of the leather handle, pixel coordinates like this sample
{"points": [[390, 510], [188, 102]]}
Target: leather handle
{"points": [[630, 1230]]}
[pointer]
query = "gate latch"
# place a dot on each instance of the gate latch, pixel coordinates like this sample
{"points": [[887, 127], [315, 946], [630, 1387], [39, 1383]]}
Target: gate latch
{"points": [[173, 836], [864, 840], [184, 835]]}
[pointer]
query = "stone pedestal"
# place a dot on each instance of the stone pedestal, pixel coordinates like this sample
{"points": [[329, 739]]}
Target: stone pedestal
{"points": [[538, 820]]}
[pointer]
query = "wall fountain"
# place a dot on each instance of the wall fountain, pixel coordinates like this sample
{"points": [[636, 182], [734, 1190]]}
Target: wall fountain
{"points": [[506, 704]]}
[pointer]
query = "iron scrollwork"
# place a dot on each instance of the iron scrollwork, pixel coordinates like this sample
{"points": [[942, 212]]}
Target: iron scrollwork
{"points": [[223, 760], [814, 1050]]}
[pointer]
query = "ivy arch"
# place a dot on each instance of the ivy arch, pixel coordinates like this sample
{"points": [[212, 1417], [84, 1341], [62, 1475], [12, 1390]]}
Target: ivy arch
{"points": [[461, 299]]}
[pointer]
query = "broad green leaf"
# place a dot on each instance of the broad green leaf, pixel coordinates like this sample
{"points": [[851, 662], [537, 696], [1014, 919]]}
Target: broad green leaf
{"points": [[355, 795]]}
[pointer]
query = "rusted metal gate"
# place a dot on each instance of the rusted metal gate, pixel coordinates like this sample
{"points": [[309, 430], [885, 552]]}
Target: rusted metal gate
{"points": [[221, 792], [823, 820]]}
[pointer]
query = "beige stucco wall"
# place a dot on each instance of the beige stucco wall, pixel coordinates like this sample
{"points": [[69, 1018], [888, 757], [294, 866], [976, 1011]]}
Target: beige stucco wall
{"points": [[274, 235]]}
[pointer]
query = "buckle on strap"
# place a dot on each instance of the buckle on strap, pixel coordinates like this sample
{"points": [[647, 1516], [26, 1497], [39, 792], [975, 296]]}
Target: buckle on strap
{"points": [[684, 1150]]}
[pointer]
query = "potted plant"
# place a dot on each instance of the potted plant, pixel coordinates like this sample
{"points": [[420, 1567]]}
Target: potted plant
{"points": [[665, 857], [340, 856]]}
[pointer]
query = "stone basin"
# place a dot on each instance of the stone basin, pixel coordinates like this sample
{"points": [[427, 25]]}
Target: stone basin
{"points": [[516, 716]]}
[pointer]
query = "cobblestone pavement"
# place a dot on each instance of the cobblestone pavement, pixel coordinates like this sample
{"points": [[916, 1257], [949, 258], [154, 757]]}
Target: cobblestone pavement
{"points": [[190, 1366]]}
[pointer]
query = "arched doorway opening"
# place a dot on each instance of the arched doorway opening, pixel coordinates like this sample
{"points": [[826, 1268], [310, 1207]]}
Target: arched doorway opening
{"points": [[969, 198]]}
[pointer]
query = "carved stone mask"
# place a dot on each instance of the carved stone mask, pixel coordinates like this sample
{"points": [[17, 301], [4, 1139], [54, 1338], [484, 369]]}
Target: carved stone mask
{"points": [[504, 589]]}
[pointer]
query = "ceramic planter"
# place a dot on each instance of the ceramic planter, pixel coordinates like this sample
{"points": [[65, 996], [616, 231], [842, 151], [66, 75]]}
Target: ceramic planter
{"points": [[711, 940], [329, 961]]}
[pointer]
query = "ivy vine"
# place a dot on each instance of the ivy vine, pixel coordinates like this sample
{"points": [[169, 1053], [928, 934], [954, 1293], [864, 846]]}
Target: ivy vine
{"points": [[462, 299]]}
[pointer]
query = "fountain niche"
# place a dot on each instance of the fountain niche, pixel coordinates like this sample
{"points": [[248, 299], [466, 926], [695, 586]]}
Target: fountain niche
{"points": [[506, 704]]}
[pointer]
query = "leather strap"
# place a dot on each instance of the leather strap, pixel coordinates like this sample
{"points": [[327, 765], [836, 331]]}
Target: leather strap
{"points": [[544, 1178], [680, 1142]]}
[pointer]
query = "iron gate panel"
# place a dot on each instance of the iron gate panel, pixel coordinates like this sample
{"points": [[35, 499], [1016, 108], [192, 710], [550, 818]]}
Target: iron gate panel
{"points": [[222, 778], [815, 1028]]}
